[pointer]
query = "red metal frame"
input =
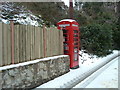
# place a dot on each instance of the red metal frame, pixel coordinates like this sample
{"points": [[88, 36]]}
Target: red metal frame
{"points": [[71, 40]]}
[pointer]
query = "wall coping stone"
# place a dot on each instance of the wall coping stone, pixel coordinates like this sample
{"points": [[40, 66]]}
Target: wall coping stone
{"points": [[30, 62]]}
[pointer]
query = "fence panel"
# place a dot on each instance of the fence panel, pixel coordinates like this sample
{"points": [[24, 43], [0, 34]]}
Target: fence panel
{"points": [[30, 43]]}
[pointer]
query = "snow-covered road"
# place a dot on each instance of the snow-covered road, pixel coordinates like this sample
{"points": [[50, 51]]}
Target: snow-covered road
{"points": [[106, 77]]}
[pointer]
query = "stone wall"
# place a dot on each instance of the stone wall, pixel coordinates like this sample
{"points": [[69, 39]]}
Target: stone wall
{"points": [[33, 73]]}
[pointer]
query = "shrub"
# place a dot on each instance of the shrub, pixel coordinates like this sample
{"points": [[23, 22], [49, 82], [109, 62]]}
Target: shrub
{"points": [[97, 39], [116, 36]]}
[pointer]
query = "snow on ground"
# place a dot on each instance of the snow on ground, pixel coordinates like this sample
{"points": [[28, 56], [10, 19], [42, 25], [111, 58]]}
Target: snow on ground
{"points": [[28, 20], [87, 59], [107, 79], [108, 75], [89, 63]]}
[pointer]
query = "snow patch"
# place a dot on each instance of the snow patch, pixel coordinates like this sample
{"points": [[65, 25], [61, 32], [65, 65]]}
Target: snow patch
{"points": [[69, 20]]}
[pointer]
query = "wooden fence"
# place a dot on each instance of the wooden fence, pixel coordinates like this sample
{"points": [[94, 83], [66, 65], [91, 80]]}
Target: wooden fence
{"points": [[30, 43]]}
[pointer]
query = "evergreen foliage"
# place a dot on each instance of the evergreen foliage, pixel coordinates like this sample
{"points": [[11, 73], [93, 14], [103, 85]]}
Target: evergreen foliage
{"points": [[99, 32], [97, 39], [116, 35]]}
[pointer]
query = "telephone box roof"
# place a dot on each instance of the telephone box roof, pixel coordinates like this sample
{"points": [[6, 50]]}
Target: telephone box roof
{"points": [[68, 20]]}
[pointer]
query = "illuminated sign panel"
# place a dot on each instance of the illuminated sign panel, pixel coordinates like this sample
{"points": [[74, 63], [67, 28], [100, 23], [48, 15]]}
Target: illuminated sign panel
{"points": [[74, 25], [64, 25]]}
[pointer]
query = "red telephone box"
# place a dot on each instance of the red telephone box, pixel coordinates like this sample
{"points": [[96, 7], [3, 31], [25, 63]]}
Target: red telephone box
{"points": [[71, 40]]}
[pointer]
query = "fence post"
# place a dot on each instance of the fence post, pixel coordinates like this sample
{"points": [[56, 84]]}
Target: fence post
{"points": [[12, 40], [44, 40]]}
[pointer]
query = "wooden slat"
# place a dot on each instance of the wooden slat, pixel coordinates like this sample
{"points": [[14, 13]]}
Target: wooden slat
{"points": [[31, 42], [47, 49], [24, 42], [17, 43], [59, 43], [37, 43], [49, 46], [27, 43], [56, 42], [1, 45], [8, 44], [41, 43], [61, 40], [48, 42], [38, 34], [5, 44], [20, 44], [22, 38], [52, 43], [57, 39], [44, 41]]}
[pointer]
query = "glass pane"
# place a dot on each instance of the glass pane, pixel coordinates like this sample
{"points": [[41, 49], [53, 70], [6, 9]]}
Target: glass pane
{"points": [[65, 31], [75, 51], [66, 48], [65, 35], [65, 43], [75, 39], [66, 39], [75, 35], [76, 43], [75, 31], [75, 47], [76, 57], [65, 51]]}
